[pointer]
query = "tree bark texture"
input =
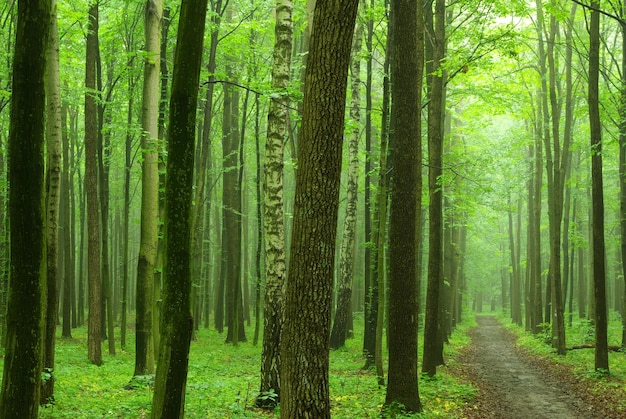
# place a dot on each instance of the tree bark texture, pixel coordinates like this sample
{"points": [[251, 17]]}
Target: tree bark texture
{"points": [[346, 259], [177, 321], [406, 193], [305, 339], [273, 209], [21, 380]]}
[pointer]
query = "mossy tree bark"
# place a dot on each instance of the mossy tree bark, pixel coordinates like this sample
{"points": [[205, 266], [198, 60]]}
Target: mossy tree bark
{"points": [[177, 321], [305, 339], [21, 378], [406, 194]]}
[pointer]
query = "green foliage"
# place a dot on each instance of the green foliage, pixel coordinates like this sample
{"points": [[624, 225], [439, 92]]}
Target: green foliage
{"points": [[222, 380]]}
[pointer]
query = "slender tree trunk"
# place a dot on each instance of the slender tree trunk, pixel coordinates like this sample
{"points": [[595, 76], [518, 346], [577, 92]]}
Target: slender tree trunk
{"points": [[433, 343], [369, 333], [144, 360], [622, 170], [177, 321], [94, 243], [53, 194], [380, 226], [599, 254], [273, 209], [69, 321]]}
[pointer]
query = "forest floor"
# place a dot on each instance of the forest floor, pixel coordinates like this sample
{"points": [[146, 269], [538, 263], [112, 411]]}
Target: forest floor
{"points": [[514, 384]]}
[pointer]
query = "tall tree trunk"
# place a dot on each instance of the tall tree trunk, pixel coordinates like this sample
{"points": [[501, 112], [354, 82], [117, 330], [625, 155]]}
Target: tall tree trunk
{"points": [[144, 352], [94, 243], [69, 321], [305, 338], [622, 169], [370, 303], [406, 194], [380, 224], [598, 246], [177, 321], [19, 397], [53, 195], [273, 209], [346, 260], [433, 343]]}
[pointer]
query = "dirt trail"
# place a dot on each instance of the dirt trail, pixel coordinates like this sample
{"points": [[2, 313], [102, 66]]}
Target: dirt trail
{"points": [[510, 386]]}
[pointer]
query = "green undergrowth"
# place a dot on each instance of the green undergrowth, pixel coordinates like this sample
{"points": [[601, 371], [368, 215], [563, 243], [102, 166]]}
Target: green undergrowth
{"points": [[223, 381], [581, 361]]}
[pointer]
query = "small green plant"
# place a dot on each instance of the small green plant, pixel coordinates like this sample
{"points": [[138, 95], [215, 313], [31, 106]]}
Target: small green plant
{"points": [[267, 399]]}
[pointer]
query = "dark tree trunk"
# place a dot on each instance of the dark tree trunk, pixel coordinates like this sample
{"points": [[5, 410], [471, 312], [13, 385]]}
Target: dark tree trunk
{"points": [[177, 321], [305, 339], [406, 194], [598, 246], [21, 379], [94, 334], [433, 342]]}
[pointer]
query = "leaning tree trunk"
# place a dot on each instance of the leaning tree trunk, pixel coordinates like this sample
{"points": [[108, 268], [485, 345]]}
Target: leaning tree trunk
{"points": [[346, 259], [21, 378], [305, 338], [177, 321]]}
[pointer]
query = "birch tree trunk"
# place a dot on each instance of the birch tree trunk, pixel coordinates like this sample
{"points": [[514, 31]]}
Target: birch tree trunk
{"points": [[273, 209]]}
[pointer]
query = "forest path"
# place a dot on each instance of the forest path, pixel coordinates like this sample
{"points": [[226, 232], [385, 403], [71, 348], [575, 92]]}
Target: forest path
{"points": [[510, 386]]}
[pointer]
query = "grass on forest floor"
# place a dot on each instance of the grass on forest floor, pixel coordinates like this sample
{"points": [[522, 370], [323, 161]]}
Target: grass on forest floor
{"points": [[223, 381], [581, 361]]}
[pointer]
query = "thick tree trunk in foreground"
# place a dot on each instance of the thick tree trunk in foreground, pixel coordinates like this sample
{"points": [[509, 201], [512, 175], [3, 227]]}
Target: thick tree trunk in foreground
{"points": [[406, 194], [177, 322], [305, 338], [21, 378], [346, 260]]}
